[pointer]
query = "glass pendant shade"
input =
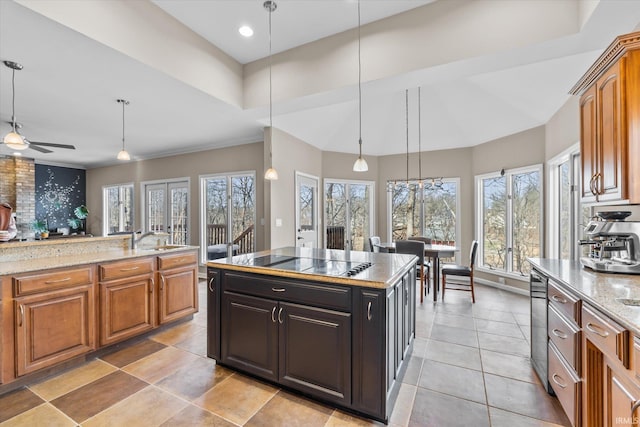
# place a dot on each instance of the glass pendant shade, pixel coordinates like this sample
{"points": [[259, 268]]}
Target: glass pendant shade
{"points": [[123, 155], [14, 141], [271, 174], [360, 165]]}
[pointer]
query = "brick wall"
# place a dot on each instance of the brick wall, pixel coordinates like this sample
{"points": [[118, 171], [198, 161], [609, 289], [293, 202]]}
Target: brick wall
{"points": [[18, 188]]}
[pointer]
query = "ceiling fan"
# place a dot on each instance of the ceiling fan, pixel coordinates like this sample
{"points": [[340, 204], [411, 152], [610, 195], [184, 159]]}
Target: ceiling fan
{"points": [[14, 139]]}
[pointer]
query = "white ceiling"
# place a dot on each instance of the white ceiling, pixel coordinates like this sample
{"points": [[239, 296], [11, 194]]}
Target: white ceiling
{"points": [[68, 89]]}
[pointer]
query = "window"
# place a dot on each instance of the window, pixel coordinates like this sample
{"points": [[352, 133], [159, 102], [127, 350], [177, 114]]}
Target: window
{"points": [[117, 203], [430, 211], [509, 219], [166, 207], [228, 213], [348, 214]]}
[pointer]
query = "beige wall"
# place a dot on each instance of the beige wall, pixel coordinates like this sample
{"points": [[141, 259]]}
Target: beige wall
{"points": [[247, 157], [563, 129]]}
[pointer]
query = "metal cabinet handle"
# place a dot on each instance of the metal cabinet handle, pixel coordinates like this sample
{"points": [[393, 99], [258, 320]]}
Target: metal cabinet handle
{"points": [[369, 317], [596, 329], [130, 269], [593, 177], [559, 334], [278, 289], [635, 407], [162, 283], [21, 315], [555, 377], [49, 282], [595, 184], [273, 314], [558, 299], [211, 283], [153, 285], [280, 315]]}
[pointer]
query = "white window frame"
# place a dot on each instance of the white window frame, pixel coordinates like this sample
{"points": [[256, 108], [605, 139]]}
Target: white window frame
{"points": [[105, 206], [479, 212], [143, 192], [347, 182]]}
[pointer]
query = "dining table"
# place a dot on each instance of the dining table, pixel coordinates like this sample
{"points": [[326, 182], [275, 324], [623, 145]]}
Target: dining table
{"points": [[434, 252]]}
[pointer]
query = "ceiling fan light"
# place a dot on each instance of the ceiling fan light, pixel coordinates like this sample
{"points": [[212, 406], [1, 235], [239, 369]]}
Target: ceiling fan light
{"points": [[271, 174], [15, 141], [123, 155], [360, 165]]}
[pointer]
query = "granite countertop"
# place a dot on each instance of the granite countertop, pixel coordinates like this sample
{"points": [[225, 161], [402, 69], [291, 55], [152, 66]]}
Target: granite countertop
{"points": [[386, 270], [600, 290], [49, 262]]}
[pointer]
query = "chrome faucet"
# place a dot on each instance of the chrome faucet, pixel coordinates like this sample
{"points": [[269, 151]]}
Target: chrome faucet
{"points": [[134, 241]]}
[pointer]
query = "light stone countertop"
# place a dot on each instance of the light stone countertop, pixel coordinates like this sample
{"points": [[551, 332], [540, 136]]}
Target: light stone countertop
{"points": [[386, 270], [600, 290], [70, 260]]}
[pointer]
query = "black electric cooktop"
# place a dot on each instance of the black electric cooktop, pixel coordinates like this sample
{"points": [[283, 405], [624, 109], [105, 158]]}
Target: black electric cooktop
{"points": [[311, 265]]}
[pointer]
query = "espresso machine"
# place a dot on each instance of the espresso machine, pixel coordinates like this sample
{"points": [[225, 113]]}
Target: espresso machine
{"points": [[614, 245]]}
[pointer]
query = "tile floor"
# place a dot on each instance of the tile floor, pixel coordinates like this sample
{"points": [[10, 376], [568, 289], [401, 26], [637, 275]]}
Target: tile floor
{"points": [[470, 367]]}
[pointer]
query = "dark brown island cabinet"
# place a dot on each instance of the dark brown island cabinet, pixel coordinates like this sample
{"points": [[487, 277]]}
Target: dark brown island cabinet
{"points": [[343, 344]]}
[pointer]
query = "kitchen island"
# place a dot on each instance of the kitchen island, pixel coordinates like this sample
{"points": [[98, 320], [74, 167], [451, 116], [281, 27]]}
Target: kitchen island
{"points": [[335, 325]]}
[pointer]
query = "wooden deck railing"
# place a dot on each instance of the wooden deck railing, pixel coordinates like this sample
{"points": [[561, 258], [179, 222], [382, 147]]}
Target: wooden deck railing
{"points": [[217, 234], [335, 237]]}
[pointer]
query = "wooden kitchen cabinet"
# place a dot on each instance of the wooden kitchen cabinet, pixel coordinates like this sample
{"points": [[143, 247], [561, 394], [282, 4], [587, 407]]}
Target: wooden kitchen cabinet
{"points": [[609, 108], [54, 318], [127, 303], [178, 286]]}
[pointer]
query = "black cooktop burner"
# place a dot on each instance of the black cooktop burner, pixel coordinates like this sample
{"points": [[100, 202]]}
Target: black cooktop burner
{"points": [[320, 266]]}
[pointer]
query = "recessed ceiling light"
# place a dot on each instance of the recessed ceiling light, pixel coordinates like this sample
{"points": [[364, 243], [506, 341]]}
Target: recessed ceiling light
{"points": [[246, 31], [17, 154]]}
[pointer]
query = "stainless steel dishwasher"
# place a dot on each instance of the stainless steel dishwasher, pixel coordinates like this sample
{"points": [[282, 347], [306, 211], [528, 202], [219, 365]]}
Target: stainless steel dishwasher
{"points": [[539, 348]]}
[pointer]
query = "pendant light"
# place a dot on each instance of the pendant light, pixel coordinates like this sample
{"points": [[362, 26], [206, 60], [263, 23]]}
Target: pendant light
{"points": [[123, 155], [361, 164], [420, 183], [13, 139], [271, 174], [406, 118]]}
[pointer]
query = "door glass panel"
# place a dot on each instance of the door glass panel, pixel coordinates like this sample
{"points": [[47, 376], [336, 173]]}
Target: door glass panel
{"points": [[360, 217], [306, 207], [156, 205], [526, 220], [306, 211], [243, 213], [494, 219], [336, 214], [179, 203], [565, 240], [216, 211]]}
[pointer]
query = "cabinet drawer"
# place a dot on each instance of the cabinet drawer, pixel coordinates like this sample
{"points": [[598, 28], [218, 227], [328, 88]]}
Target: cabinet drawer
{"points": [[321, 295], [566, 385], [606, 334], [177, 260], [566, 336], [128, 268], [565, 303], [40, 282]]}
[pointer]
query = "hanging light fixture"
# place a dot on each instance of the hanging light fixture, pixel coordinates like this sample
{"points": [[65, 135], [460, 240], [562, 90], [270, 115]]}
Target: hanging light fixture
{"points": [[406, 118], [271, 174], [13, 139], [123, 155], [361, 164], [434, 183]]}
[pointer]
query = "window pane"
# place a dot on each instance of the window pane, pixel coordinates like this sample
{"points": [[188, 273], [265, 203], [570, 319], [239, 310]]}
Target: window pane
{"points": [[306, 207], [119, 209], [178, 216], [565, 210], [243, 213], [335, 201], [360, 215], [526, 220], [113, 210], [494, 218], [405, 212], [126, 208], [156, 208], [440, 213], [216, 210]]}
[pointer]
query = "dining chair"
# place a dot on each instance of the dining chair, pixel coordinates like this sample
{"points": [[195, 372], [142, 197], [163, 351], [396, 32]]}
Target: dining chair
{"points": [[461, 270], [374, 244], [414, 247], [427, 264]]}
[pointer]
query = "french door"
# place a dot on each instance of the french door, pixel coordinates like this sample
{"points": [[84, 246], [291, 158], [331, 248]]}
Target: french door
{"points": [[228, 214], [348, 214], [167, 209]]}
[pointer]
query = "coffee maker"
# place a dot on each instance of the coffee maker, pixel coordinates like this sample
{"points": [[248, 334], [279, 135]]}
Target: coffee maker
{"points": [[614, 244]]}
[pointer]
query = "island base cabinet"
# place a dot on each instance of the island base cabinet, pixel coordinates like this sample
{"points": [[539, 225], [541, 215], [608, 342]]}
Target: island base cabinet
{"points": [[178, 295], [52, 327], [213, 314]]}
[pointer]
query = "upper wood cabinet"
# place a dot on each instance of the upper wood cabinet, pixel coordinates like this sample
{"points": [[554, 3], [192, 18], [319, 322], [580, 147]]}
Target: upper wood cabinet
{"points": [[609, 115]]}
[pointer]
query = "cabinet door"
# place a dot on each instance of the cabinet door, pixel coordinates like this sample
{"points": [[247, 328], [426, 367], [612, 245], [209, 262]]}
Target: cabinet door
{"points": [[178, 293], [612, 162], [588, 143], [213, 314], [52, 327], [622, 398], [315, 351], [126, 308], [249, 337]]}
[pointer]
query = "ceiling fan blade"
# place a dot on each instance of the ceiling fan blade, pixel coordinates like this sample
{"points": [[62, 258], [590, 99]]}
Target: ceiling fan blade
{"points": [[50, 144], [40, 149]]}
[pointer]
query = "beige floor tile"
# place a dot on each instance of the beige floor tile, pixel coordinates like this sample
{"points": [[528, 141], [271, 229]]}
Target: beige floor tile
{"points": [[149, 407], [160, 364], [500, 418], [64, 383], [342, 419], [237, 398], [286, 409], [196, 344], [402, 410], [44, 415], [192, 416], [178, 333]]}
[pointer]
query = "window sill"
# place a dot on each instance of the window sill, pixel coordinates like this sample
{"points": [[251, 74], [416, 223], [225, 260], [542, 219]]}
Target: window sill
{"points": [[499, 273]]}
